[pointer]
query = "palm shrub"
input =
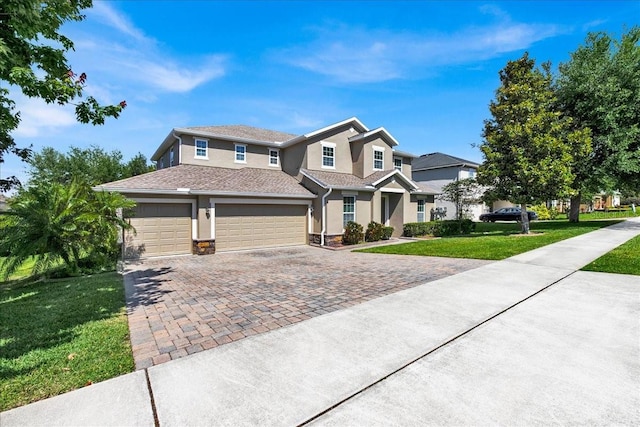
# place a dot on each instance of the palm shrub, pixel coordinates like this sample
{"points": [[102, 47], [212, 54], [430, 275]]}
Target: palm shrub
{"points": [[56, 223], [352, 233]]}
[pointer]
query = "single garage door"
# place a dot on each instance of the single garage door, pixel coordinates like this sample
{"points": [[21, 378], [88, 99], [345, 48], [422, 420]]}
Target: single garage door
{"points": [[260, 226], [161, 229]]}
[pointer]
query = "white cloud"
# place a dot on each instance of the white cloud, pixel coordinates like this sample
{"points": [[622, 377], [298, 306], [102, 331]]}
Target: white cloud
{"points": [[128, 57], [37, 118], [365, 55]]}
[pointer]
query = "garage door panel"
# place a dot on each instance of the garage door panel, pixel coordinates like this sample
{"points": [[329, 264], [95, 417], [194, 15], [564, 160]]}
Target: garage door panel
{"points": [[161, 229], [256, 226]]}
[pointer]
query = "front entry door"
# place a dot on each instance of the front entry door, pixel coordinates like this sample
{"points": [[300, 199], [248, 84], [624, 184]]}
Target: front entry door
{"points": [[384, 214]]}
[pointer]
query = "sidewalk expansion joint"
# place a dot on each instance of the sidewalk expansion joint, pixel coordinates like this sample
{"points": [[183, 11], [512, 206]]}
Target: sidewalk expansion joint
{"points": [[433, 350], [156, 421]]}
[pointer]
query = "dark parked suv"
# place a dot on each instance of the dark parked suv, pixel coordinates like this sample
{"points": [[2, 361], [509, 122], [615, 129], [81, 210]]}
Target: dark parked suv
{"points": [[506, 214]]}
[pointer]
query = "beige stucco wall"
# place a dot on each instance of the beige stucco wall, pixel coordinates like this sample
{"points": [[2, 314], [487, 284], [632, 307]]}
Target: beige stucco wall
{"points": [[222, 154], [164, 160], [204, 223], [294, 158], [367, 156]]}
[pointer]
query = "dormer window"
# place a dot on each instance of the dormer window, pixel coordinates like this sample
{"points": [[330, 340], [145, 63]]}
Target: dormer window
{"points": [[274, 157], [202, 146], [378, 158], [241, 153], [397, 163], [328, 155]]}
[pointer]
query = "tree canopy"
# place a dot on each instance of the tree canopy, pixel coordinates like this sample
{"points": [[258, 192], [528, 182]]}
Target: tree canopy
{"points": [[463, 193], [528, 145], [32, 59], [91, 165], [599, 87]]}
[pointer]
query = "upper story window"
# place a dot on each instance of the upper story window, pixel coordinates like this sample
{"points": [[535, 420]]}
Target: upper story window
{"points": [[378, 158], [161, 163], [202, 146], [241, 153], [171, 157], [348, 209], [328, 155], [274, 157], [420, 210], [397, 163]]}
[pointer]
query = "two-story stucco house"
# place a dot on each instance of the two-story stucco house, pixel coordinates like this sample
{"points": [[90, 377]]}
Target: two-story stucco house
{"points": [[223, 188], [437, 170]]}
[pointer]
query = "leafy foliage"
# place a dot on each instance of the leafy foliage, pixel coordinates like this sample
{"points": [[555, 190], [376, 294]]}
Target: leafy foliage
{"points": [[32, 57], [528, 144], [599, 87], [91, 165], [56, 222], [439, 228], [462, 193], [374, 232], [352, 233], [387, 232]]}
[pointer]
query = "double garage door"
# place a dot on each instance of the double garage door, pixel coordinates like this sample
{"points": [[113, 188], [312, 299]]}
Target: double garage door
{"points": [[260, 226], [165, 228]]}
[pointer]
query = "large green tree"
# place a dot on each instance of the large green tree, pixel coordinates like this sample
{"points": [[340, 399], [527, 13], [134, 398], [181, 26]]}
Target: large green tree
{"points": [[528, 146], [599, 87], [32, 59], [463, 193], [92, 165], [54, 223]]}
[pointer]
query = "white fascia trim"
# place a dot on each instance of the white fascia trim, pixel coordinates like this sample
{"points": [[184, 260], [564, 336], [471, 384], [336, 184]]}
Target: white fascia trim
{"points": [[393, 190], [168, 140], [194, 210], [328, 144], [397, 172], [352, 120], [178, 191], [320, 183], [239, 194], [404, 154], [254, 201], [386, 136]]}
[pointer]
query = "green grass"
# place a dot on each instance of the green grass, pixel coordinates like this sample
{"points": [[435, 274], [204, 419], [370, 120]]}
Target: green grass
{"points": [[23, 272], [60, 335], [494, 241], [624, 259]]}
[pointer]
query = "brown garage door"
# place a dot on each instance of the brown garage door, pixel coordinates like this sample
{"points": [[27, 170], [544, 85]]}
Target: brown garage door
{"points": [[260, 226], [161, 229]]}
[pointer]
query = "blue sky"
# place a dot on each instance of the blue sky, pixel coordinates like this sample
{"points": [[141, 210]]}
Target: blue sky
{"points": [[426, 71]]}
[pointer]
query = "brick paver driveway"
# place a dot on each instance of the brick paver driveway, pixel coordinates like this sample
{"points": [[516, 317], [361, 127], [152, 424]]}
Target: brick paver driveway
{"points": [[182, 305]]}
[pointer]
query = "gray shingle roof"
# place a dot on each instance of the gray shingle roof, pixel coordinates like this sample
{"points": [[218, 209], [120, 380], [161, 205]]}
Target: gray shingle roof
{"points": [[348, 181], [246, 132], [213, 180], [440, 160]]}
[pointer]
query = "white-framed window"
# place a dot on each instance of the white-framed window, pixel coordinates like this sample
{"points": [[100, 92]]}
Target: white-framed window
{"points": [[161, 163], [397, 163], [328, 155], [202, 146], [241, 153], [171, 157], [348, 209], [378, 158], [274, 157], [420, 210]]}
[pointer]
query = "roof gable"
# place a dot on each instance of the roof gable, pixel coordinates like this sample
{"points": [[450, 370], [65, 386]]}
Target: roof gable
{"points": [[440, 160]]}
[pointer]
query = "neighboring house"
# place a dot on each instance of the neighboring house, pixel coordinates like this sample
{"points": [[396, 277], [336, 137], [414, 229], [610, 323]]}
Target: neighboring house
{"points": [[437, 170], [3, 203], [223, 188]]}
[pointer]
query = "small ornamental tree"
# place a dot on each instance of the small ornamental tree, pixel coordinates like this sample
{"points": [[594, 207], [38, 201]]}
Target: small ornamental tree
{"points": [[32, 58], [462, 193], [527, 144]]}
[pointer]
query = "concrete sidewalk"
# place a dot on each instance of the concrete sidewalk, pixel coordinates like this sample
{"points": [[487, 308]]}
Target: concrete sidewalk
{"points": [[484, 346]]}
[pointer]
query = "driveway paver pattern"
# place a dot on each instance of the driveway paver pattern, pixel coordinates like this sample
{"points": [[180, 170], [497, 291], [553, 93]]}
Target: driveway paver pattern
{"points": [[182, 305]]}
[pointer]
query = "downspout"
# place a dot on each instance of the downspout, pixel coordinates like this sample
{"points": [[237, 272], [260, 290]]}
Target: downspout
{"points": [[324, 215], [179, 147]]}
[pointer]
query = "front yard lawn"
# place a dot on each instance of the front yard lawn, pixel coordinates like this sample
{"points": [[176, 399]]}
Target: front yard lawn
{"points": [[494, 241], [624, 259], [56, 336]]}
